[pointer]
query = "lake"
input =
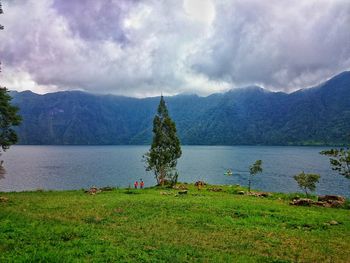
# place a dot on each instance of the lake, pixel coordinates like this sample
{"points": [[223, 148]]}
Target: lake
{"points": [[76, 167]]}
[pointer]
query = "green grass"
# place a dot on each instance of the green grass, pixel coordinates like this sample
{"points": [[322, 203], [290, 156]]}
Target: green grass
{"points": [[202, 226]]}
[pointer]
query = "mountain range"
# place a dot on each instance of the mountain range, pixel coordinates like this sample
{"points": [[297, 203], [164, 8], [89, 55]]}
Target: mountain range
{"points": [[246, 116]]}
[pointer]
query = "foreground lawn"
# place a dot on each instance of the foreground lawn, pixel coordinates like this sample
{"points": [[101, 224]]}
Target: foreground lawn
{"points": [[146, 226]]}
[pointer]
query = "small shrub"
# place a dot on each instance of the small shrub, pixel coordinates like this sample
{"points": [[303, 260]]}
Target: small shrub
{"points": [[254, 169], [307, 181]]}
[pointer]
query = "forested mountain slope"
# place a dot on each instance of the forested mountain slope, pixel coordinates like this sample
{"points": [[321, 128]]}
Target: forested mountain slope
{"points": [[319, 115]]}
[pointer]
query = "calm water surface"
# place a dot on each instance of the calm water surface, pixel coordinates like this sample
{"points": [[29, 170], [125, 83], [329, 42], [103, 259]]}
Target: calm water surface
{"points": [[76, 167]]}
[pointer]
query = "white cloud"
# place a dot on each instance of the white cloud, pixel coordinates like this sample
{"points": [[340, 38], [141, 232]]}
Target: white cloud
{"points": [[284, 45], [142, 48], [200, 10], [21, 81], [136, 18]]}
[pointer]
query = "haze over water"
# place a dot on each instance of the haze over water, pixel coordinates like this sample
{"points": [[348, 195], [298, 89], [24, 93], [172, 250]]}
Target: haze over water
{"points": [[76, 167]]}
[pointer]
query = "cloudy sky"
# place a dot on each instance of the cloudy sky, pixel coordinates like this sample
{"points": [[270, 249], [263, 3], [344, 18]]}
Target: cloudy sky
{"points": [[144, 47]]}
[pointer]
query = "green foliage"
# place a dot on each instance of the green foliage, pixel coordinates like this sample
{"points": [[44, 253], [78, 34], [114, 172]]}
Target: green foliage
{"points": [[254, 170], [307, 181], [8, 118], [165, 148], [339, 160]]}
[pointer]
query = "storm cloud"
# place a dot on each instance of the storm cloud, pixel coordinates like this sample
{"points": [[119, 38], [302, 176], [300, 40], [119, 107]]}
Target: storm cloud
{"points": [[142, 48]]}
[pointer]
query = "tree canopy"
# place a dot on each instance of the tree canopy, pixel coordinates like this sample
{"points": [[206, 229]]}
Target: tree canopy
{"points": [[307, 181], [254, 169], [339, 160], [8, 119]]}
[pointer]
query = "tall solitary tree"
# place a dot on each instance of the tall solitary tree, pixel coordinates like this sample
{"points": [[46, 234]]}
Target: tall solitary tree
{"points": [[8, 115], [165, 148]]}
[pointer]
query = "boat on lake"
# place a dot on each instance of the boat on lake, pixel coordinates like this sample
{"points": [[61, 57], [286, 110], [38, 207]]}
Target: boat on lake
{"points": [[228, 172]]}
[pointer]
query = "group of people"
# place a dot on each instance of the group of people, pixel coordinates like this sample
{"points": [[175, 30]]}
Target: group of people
{"points": [[136, 184]]}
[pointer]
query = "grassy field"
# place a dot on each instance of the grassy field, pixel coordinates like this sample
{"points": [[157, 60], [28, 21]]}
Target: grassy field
{"points": [[147, 226]]}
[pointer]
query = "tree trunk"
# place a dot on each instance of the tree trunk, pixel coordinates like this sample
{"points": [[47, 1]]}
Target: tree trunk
{"points": [[249, 182], [162, 176], [158, 178]]}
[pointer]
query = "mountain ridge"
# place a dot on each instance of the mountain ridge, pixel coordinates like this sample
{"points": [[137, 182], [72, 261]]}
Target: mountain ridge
{"points": [[253, 116]]}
